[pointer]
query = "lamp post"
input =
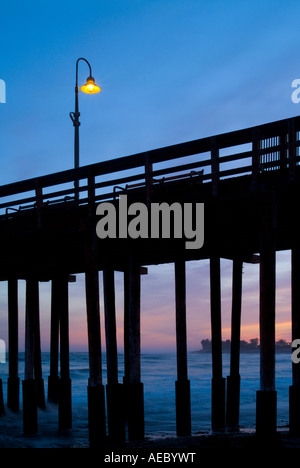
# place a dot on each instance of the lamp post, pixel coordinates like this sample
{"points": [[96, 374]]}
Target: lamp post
{"points": [[89, 87]]}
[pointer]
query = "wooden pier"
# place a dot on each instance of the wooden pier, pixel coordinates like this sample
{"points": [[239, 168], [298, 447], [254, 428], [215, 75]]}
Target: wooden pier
{"points": [[249, 182]]}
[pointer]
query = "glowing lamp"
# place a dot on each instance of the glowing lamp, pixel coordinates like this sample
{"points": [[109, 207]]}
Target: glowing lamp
{"points": [[90, 87]]}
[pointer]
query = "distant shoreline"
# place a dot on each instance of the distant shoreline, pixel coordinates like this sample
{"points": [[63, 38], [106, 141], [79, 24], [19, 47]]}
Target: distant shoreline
{"points": [[252, 347]]}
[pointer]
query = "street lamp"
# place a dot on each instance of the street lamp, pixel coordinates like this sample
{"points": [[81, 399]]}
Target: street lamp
{"points": [[89, 87]]}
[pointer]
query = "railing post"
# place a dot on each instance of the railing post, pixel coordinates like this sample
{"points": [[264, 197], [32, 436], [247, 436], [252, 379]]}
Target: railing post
{"points": [[255, 158], [292, 150], [283, 151], [148, 178], [215, 166], [91, 194], [39, 202]]}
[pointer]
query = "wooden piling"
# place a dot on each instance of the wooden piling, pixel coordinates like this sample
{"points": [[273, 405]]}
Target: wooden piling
{"points": [[53, 380], [126, 327], [126, 344], [13, 383], [38, 373], [65, 384], [218, 382], [183, 396], [135, 388], [30, 416], [114, 390], [96, 391], [295, 387], [96, 394], [234, 380], [266, 412], [110, 325], [2, 411]]}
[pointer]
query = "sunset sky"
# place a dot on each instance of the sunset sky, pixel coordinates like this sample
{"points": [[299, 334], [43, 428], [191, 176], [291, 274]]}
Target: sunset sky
{"points": [[170, 71]]}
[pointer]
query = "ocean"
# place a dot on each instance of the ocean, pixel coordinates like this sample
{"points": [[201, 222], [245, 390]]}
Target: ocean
{"points": [[158, 376]]}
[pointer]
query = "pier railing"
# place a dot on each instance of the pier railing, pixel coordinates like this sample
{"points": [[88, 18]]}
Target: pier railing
{"points": [[252, 151]]}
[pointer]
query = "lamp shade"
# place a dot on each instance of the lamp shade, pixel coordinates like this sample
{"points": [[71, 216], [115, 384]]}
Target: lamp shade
{"points": [[90, 87]]}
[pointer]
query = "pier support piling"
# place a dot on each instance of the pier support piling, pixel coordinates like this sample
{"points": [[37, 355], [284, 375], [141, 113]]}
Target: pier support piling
{"points": [[1, 399], [30, 403], [13, 383], [266, 413], [65, 384], [126, 343], [53, 380], [135, 388], [96, 414], [30, 416], [234, 379], [295, 388], [65, 403], [126, 379], [96, 393], [218, 382], [37, 352], [183, 394], [114, 390]]}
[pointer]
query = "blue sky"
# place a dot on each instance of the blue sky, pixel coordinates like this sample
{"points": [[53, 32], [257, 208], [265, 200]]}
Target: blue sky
{"points": [[170, 71]]}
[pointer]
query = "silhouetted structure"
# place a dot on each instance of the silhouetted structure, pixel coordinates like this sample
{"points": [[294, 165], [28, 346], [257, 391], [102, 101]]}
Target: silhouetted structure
{"points": [[249, 183], [246, 347]]}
